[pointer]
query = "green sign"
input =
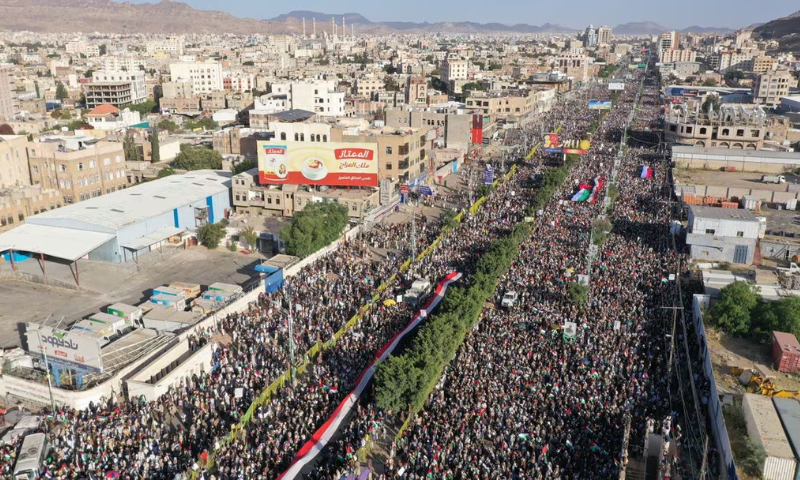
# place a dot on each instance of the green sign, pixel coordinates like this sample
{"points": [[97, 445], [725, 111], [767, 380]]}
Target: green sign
{"points": [[642, 65]]}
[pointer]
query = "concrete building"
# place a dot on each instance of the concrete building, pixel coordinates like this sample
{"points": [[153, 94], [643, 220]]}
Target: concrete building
{"points": [[369, 85], [667, 41], [722, 234], [417, 90], [79, 167], [19, 203], [118, 88], [512, 102], [673, 55], [126, 224], [725, 62], [590, 36], [454, 69], [205, 77], [764, 63], [736, 126], [109, 117], [576, 67], [679, 69], [173, 46], [453, 127], [238, 82], [318, 96], [238, 141], [6, 95], [13, 161], [771, 86], [604, 35]]}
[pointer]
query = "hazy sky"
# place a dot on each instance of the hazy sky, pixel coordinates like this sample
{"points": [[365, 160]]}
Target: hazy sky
{"points": [[671, 14]]}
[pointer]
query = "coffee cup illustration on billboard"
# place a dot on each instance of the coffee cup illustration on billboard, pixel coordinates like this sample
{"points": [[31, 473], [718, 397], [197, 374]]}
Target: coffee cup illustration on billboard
{"points": [[314, 169]]}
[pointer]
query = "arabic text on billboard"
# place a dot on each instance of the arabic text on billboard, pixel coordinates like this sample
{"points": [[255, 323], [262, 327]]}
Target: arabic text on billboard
{"points": [[600, 104], [66, 347], [616, 86], [552, 143], [332, 164], [488, 176]]}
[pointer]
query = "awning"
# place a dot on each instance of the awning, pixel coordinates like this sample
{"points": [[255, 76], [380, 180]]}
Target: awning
{"points": [[64, 243], [153, 238]]}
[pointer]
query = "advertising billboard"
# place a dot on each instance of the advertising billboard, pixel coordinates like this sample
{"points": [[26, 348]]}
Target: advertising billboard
{"points": [[61, 346], [600, 104], [331, 164], [477, 129], [616, 86], [552, 143]]}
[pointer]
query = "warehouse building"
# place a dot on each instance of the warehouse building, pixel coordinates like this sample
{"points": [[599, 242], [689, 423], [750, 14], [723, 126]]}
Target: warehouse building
{"points": [[722, 234], [123, 225]]}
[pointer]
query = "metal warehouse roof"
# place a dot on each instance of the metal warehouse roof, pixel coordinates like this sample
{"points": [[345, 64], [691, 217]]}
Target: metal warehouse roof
{"points": [[65, 243], [153, 238], [718, 213], [114, 211]]}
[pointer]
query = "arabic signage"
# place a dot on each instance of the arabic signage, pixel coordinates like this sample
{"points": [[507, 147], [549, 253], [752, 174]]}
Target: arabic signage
{"points": [[600, 104], [65, 347], [553, 144], [616, 86], [488, 175], [306, 163]]}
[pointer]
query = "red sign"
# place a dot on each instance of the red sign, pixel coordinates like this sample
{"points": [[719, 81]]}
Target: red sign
{"points": [[404, 189]]}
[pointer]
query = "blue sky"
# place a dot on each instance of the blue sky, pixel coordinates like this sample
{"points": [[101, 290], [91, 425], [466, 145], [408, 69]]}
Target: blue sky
{"points": [[671, 14]]}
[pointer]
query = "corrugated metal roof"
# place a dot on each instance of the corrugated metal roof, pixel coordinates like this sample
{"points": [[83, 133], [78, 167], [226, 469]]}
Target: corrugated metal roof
{"points": [[114, 211], [65, 243], [153, 238], [719, 213], [766, 427]]}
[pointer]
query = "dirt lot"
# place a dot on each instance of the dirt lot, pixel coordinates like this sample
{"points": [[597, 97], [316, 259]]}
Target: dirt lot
{"points": [[728, 352], [730, 179]]}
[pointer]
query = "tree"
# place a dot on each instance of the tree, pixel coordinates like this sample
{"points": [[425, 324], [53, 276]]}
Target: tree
{"points": [[495, 66], [732, 311], [243, 166], [103, 49], [578, 293], [168, 125], [155, 148], [249, 235], [471, 86], [129, 148], [783, 316], [88, 73], [144, 108], [248, 63], [205, 123], [5, 129], [36, 86], [314, 227], [734, 76], [709, 82], [711, 103], [211, 234], [61, 91], [197, 158], [448, 218], [165, 172]]}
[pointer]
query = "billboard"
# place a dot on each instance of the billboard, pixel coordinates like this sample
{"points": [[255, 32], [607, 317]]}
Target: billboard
{"points": [[616, 86], [552, 143], [61, 346], [305, 163], [600, 104], [477, 129]]}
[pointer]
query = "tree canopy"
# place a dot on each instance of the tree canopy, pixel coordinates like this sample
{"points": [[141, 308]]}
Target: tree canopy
{"points": [[197, 158], [144, 108], [314, 227], [211, 234], [741, 311], [205, 123], [732, 311]]}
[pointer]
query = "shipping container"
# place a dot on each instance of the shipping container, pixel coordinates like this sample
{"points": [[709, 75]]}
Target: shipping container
{"points": [[192, 290], [785, 352], [765, 429], [177, 302], [168, 319], [227, 287], [789, 412], [164, 290], [112, 321], [128, 312]]}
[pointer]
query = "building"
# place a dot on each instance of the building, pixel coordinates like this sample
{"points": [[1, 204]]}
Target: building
{"points": [[735, 126], [127, 224], [369, 85], [118, 88], [454, 69], [109, 117], [604, 35], [573, 66], [416, 91], [172, 46], [732, 61], [512, 102], [771, 86], [590, 37], [80, 167], [14, 161], [238, 141], [667, 41], [402, 153], [121, 64], [673, 55], [19, 203], [318, 96], [7, 110], [205, 77], [722, 234], [453, 127], [238, 82]]}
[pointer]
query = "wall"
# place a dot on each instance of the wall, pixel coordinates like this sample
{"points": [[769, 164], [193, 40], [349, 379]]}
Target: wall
{"points": [[718, 429], [199, 361], [751, 161], [728, 192], [719, 249]]}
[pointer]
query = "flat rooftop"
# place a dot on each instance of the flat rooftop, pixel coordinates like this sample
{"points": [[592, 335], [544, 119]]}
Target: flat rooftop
{"points": [[114, 211], [719, 213]]}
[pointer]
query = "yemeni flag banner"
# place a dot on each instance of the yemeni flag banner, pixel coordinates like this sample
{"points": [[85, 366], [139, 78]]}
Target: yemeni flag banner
{"points": [[322, 436], [598, 185], [647, 172]]}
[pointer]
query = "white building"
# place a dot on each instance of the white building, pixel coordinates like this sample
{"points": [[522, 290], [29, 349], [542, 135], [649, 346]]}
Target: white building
{"points": [[129, 64], [238, 81], [454, 69], [722, 234], [206, 77], [134, 77], [170, 45], [318, 96]]}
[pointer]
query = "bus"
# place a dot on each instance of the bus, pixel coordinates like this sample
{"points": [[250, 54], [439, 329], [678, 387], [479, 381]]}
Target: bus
{"points": [[31, 456]]}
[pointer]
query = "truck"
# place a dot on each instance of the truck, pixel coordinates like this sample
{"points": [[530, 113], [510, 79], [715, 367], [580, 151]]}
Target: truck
{"points": [[792, 269], [773, 179], [509, 299]]}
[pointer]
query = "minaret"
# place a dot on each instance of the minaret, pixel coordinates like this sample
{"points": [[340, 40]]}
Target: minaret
{"points": [[352, 30], [304, 28], [333, 28], [344, 28], [314, 23]]}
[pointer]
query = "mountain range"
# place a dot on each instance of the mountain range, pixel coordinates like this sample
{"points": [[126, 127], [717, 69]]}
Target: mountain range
{"points": [[785, 30], [166, 16]]}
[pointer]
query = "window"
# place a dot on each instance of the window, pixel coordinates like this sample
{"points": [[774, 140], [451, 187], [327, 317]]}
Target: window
{"points": [[35, 169], [703, 130], [388, 150], [740, 234], [283, 135], [740, 132], [726, 131], [296, 137], [269, 200], [689, 129], [106, 161], [119, 159], [325, 138], [92, 164], [302, 137], [277, 200], [62, 168], [710, 231], [21, 217], [388, 166], [80, 167]]}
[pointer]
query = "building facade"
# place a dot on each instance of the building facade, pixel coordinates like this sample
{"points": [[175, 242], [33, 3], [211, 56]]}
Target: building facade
{"points": [[205, 77], [771, 86], [454, 69], [6, 95], [722, 234]]}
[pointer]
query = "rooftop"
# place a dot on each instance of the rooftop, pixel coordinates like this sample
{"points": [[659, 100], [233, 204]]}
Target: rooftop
{"points": [[723, 213], [116, 210], [295, 115]]}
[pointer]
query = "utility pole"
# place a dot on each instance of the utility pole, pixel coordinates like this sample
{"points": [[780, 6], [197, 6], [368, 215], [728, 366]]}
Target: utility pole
{"points": [[291, 334]]}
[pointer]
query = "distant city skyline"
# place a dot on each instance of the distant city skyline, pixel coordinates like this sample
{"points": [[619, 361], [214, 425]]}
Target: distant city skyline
{"points": [[677, 14]]}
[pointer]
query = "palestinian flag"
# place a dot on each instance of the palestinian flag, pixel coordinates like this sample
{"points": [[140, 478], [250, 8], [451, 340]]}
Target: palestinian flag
{"points": [[647, 172], [583, 193], [598, 185], [328, 388], [524, 436]]}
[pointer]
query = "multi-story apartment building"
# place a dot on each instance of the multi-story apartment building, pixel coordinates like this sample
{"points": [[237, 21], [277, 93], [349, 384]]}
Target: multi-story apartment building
{"points": [[725, 62], [318, 96], [454, 69], [505, 103], [402, 153], [238, 82], [576, 67], [80, 167], [118, 88], [667, 41], [205, 77], [367, 86], [769, 87], [6, 95], [590, 37], [19, 203], [604, 35], [172, 46], [417, 90], [673, 55], [13, 161], [123, 64], [729, 128], [453, 130], [764, 63]]}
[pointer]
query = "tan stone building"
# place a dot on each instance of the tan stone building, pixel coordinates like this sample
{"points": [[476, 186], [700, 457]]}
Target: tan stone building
{"points": [[417, 91], [763, 64], [79, 167], [18, 203], [769, 87], [6, 95], [13, 161], [402, 153]]}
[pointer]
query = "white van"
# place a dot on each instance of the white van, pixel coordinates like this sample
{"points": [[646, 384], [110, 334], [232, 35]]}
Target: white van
{"points": [[31, 456]]}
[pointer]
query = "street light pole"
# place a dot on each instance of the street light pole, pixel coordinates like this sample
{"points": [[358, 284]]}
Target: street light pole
{"points": [[47, 367]]}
